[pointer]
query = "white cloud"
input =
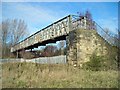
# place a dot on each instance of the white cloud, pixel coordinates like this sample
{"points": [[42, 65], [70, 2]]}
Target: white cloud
{"points": [[34, 14], [36, 17], [39, 17]]}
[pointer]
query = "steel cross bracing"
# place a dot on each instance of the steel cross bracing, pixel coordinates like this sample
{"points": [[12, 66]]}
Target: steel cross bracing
{"points": [[56, 29]]}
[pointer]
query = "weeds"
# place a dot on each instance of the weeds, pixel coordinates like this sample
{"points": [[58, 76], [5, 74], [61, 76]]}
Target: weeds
{"points": [[94, 64], [56, 76]]}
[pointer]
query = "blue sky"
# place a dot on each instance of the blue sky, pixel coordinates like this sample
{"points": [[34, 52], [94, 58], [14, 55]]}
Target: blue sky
{"points": [[40, 14], [60, 0]]}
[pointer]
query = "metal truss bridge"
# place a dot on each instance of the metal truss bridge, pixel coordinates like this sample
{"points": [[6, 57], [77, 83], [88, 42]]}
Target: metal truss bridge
{"points": [[54, 32]]}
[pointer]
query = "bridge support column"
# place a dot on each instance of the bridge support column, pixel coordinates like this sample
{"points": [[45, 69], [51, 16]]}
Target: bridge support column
{"points": [[71, 43], [82, 44], [17, 54]]}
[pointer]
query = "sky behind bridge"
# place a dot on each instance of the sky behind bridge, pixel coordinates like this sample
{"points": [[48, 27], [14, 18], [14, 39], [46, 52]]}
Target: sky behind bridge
{"points": [[38, 15], [41, 14]]}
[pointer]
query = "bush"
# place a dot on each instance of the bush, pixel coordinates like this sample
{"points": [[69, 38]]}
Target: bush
{"points": [[95, 63], [21, 84]]}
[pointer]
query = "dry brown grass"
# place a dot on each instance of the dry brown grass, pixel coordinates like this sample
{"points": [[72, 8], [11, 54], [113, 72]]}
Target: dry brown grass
{"points": [[55, 76]]}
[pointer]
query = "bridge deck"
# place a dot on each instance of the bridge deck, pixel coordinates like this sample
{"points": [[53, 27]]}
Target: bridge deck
{"points": [[52, 33]]}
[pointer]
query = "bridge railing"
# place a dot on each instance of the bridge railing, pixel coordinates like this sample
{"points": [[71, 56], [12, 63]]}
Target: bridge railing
{"points": [[62, 27], [58, 28], [107, 36], [77, 22], [92, 25], [82, 22]]}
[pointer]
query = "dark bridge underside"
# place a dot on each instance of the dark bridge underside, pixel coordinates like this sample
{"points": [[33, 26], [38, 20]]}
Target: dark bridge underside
{"points": [[54, 40]]}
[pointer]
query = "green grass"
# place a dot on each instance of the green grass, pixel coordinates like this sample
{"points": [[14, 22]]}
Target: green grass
{"points": [[18, 75]]}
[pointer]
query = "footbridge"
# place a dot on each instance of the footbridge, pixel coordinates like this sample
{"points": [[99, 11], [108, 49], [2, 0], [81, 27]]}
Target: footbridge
{"points": [[83, 38], [54, 32]]}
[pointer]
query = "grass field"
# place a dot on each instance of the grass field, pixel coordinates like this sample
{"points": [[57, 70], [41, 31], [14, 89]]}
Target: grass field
{"points": [[30, 75]]}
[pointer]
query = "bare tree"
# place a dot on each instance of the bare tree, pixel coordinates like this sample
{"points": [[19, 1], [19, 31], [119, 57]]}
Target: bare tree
{"points": [[49, 50], [12, 32], [61, 46], [119, 38], [110, 37], [4, 33], [18, 30], [116, 38], [80, 14], [0, 42], [88, 15]]}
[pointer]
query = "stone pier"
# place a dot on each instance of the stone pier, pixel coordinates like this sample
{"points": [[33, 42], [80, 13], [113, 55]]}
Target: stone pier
{"points": [[82, 44]]}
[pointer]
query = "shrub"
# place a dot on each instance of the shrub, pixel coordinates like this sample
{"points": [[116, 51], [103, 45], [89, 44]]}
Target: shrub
{"points": [[21, 84], [95, 63]]}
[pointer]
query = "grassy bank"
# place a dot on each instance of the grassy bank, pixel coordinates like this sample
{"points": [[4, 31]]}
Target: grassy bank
{"points": [[55, 76]]}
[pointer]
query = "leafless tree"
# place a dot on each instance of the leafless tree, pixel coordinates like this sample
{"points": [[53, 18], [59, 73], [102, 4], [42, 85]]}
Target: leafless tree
{"points": [[88, 15], [12, 32], [4, 33], [49, 50], [0, 42], [61, 46], [18, 30], [106, 35], [119, 38], [80, 14], [111, 38]]}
